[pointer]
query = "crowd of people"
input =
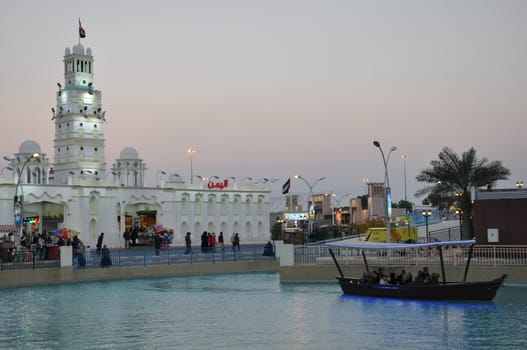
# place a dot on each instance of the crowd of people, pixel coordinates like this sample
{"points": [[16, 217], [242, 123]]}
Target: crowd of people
{"points": [[378, 277]]}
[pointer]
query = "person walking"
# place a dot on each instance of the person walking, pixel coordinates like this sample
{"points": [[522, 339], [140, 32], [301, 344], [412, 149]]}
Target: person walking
{"points": [[157, 243], [99, 243], [237, 241], [220, 240], [106, 260], [188, 244]]}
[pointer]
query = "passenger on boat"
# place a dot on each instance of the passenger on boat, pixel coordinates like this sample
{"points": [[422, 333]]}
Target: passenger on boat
{"points": [[402, 278], [425, 276], [434, 278], [393, 278]]}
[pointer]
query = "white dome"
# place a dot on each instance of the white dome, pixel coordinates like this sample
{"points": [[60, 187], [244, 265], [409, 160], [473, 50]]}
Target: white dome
{"points": [[29, 147], [88, 51], [129, 153], [67, 51], [78, 49]]}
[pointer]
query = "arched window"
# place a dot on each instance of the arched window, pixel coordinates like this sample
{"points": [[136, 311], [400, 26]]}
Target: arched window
{"points": [[236, 205], [223, 205]]}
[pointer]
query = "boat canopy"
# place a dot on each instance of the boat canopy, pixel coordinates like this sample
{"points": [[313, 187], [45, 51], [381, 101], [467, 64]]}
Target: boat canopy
{"points": [[365, 245]]}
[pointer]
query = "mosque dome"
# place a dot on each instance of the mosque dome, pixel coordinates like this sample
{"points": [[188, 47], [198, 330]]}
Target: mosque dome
{"points": [[129, 153], [29, 147], [79, 49], [67, 51]]}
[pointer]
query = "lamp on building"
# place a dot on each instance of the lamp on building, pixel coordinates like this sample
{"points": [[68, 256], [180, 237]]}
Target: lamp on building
{"points": [[387, 194], [311, 186], [6, 168], [427, 214], [191, 152], [519, 185], [159, 173]]}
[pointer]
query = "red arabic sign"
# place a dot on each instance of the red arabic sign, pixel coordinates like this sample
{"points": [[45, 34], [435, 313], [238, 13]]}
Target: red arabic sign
{"points": [[220, 185]]}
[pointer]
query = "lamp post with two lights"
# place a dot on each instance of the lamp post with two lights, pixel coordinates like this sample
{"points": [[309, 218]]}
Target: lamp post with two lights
{"points": [[18, 200], [311, 186], [387, 194]]}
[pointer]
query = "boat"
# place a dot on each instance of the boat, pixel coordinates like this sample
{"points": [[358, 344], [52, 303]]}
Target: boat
{"points": [[437, 290]]}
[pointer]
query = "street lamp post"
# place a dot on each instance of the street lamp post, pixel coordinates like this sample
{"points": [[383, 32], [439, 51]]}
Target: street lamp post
{"points": [[426, 214], [18, 201], [459, 213], [387, 194], [310, 186], [337, 201], [191, 152], [404, 158]]}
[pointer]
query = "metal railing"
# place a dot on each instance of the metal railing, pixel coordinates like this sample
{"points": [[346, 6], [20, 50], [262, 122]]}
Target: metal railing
{"points": [[482, 255], [169, 256], [25, 259]]}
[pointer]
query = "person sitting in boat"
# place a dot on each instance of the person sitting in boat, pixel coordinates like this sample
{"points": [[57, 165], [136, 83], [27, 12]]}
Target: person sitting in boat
{"points": [[419, 277], [378, 275], [425, 276], [393, 278], [434, 278], [402, 278]]}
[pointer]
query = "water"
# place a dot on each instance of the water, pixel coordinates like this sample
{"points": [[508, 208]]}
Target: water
{"points": [[249, 311]]}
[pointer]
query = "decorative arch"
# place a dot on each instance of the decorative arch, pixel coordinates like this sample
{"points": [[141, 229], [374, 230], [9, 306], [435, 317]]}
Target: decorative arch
{"points": [[248, 234], [261, 231]]}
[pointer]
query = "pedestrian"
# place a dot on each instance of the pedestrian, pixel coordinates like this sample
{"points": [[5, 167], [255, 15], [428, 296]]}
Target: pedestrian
{"points": [[204, 242], [237, 241], [106, 260], [99, 243], [80, 255], [268, 249], [157, 243], [188, 244], [220, 240], [232, 241]]}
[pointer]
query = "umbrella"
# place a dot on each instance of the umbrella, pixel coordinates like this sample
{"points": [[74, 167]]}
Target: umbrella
{"points": [[64, 233]]}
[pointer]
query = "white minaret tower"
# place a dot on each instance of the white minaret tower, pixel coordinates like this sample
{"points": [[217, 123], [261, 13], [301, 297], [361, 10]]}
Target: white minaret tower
{"points": [[79, 120]]}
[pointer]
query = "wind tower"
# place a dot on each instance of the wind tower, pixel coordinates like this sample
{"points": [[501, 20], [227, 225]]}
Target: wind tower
{"points": [[79, 120]]}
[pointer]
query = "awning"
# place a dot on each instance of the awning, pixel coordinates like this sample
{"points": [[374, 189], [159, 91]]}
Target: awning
{"points": [[365, 245]]}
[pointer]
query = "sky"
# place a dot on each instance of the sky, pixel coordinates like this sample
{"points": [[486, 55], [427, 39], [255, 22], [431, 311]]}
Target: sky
{"points": [[270, 89]]}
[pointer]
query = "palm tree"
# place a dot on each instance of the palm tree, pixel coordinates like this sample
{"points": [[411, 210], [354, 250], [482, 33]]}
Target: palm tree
{"points": [[452, 179]]}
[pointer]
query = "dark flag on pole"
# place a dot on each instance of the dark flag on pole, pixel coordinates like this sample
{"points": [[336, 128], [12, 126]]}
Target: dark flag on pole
{"points": [[286, 186], [82, 32]]}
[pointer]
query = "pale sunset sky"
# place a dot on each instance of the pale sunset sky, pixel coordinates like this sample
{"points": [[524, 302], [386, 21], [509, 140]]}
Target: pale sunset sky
{"points": [[270, 89]]}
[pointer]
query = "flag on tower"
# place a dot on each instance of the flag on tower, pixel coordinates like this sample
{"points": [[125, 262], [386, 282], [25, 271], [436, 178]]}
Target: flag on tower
{"points": [[82, 32], [286, 186]]}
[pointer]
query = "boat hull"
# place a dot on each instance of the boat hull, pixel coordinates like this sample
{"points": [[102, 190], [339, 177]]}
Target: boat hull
{"points": [[485, 290]]}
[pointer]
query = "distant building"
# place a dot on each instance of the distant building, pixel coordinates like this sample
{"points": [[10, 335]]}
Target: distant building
{"points": [[499, 216]]}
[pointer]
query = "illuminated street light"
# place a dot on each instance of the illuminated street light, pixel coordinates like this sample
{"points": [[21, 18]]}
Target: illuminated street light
{"points": [[426, 214], [519, 184], [387, 194]]}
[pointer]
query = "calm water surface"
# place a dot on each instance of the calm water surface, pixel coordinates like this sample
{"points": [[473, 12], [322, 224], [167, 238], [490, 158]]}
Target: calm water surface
{"points": [[249, 311]]}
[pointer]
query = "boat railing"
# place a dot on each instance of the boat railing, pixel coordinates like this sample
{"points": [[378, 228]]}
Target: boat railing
{"points": [[488, 255]]}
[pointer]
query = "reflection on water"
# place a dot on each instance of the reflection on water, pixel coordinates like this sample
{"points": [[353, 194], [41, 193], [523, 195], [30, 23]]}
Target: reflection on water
{"points": [[249, 311]]}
